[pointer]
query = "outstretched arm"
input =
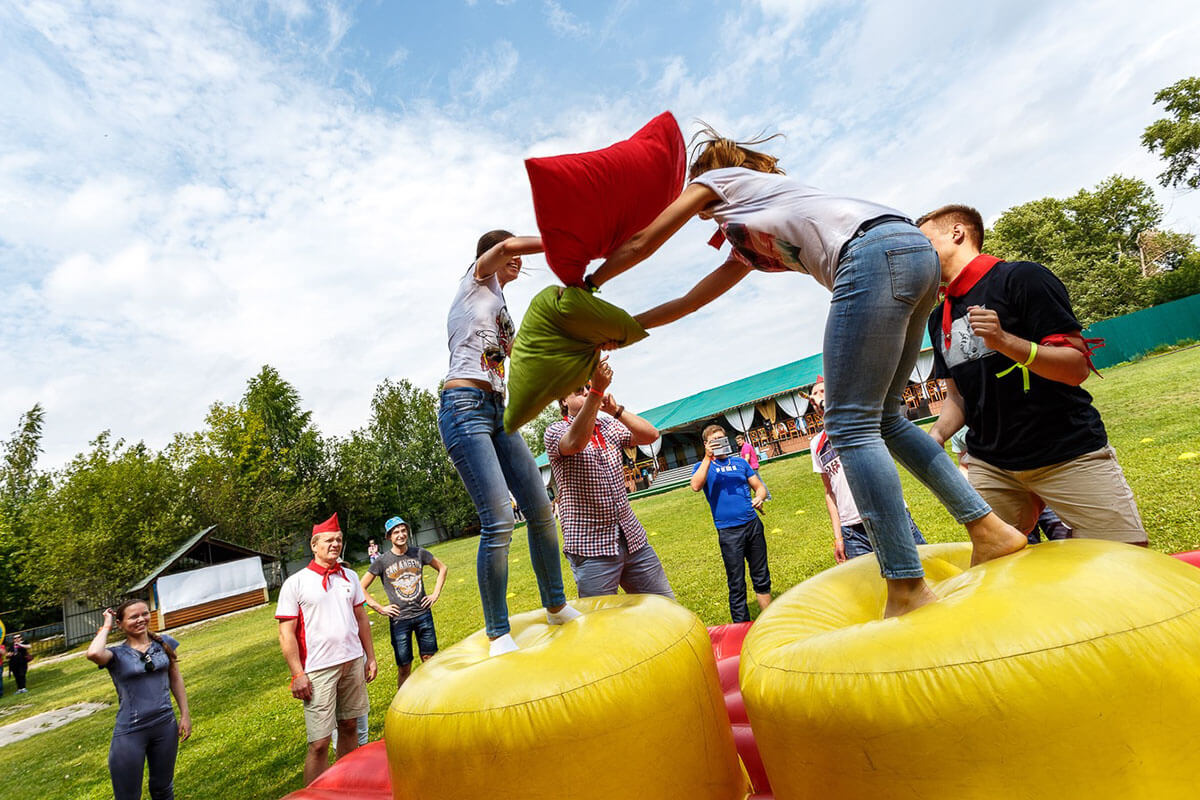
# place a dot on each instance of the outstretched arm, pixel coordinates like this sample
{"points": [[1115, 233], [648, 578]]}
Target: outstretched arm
{"points": [[643, 244], [488, 263], [710, 287]]}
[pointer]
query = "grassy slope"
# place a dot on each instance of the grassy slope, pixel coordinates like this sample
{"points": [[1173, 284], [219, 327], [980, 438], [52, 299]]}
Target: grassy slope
{"points": [[248, 741]]}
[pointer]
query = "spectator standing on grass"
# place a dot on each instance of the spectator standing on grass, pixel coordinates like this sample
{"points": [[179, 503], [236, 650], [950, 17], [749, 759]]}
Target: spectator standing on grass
{"points": [[1011, 351], [850, 537], [18, 661], [324, 633], [145, 670], [727, 481], [3, 658], [372, 551], [602, 539], [409, 609]]}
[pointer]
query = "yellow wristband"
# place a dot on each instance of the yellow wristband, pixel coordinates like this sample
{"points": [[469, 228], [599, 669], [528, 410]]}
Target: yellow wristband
{"points": [[1023, 366]]}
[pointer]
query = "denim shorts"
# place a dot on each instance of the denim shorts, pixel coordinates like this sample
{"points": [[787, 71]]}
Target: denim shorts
{"points": [[402, 630]]}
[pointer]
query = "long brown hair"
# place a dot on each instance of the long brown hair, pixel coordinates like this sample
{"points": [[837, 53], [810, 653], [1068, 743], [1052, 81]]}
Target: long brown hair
{"points": [[119, 613], [711, 150]]}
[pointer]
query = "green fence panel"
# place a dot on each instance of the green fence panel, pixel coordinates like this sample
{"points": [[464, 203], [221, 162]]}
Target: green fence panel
{"points": [[1129, 336]]}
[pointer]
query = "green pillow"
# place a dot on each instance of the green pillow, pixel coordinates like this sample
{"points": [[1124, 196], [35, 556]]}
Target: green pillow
{"points": [[555, 350]]}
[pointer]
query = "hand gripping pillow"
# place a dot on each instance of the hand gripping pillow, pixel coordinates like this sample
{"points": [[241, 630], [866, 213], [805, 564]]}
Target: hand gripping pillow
{"points": [[555, 349], [622, 703], [587, 204], [1067, 670]]}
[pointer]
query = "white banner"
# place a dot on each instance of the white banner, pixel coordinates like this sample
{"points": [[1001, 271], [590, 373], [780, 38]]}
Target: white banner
{"points": [[191, 588]]}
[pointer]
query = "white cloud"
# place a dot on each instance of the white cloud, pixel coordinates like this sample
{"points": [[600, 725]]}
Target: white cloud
{"points": [[563, 22], [180, 204], [483, 74]]}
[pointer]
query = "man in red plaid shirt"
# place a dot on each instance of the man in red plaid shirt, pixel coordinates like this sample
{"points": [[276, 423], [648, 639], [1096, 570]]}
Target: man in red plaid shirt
{"points": [[602, 539]]}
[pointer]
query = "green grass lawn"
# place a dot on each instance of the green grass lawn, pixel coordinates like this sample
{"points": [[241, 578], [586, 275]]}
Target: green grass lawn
{"points": [[248, 739]]}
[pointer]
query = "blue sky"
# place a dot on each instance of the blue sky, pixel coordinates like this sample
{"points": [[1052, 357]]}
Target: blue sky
{"points": [[190, 190]]}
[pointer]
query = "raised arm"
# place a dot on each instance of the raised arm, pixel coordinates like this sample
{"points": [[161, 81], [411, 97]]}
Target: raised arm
{"points": [[710, 287], [487, 264], [700, 476], [643, 244], [97, 651], [580, 430]]}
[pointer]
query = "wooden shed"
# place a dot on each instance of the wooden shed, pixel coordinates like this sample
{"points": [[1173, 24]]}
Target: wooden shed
{"points": [[205, 577]]}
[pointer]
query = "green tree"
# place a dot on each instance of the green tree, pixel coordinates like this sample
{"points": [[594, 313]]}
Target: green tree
{"points": [[534, 431], [236, 480], [1177, 138], [1089, 240], [112, 514], [290, 433], [356, 486], [418, 480], [20, 484]]}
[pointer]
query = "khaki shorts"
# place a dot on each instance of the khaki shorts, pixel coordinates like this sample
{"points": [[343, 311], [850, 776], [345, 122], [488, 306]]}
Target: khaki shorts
{"points": [[1089, 493], [337, 693]]}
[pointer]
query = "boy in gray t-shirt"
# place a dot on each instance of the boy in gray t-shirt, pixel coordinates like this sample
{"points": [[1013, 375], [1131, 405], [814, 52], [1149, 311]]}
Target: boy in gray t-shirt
{"points": [[408, 605]]}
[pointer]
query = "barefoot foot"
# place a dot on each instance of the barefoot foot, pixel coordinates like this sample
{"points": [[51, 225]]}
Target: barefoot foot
{"points": [[992, 537], [905, 595]]}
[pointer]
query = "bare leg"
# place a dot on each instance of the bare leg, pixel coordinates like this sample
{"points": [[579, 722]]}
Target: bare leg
{"points": [[316, 760], [347, 736], [907, 594], [992, 537], [764, 600], [402, 673]]}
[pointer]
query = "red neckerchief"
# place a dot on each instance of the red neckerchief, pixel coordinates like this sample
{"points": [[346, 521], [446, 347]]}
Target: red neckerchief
{"points": [[597, 437], [1085, 346], [717, 239], [336, 569], [963, 283]]}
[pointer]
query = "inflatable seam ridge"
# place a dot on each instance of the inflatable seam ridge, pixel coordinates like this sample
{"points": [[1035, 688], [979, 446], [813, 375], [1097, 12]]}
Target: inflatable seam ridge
{"points": [[1108, 635]]}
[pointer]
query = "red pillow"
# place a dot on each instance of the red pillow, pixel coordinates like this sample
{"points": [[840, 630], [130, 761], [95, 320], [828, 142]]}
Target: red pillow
{"points": [[588, 204]]}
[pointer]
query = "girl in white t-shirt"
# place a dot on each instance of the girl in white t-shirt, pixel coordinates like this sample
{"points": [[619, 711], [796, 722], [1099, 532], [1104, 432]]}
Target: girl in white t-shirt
{"points": [[884, 274], [490, 462]]}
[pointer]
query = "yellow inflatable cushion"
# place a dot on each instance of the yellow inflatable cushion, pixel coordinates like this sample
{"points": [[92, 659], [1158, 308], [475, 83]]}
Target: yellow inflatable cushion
{"points": [[1068, 670], [621, 703]]}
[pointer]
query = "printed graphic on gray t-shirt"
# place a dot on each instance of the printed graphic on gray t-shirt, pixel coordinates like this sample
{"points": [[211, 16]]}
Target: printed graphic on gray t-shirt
{"points": [[402, 579]]}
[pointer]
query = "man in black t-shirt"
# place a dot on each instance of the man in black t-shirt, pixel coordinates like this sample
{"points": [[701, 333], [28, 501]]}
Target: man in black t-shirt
{"points": [[408, 606], [1011, 351]]}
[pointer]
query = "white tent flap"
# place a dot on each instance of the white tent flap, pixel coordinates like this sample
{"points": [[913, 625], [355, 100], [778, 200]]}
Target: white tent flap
{"points": [[652, 448], [741, 418], [191, 588]]}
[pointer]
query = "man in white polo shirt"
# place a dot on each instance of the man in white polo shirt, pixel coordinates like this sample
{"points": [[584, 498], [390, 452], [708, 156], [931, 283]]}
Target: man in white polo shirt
{"points": [[323, 632]]}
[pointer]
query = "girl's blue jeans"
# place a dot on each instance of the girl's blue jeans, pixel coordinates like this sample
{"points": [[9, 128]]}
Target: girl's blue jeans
{"points": [[883, 293], [492, 463]]}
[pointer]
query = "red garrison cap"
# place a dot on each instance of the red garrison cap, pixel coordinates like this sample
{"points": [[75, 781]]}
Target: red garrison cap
{"points": [[328, 526]]}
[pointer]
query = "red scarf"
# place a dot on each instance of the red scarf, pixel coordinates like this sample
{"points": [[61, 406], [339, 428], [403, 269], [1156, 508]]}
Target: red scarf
{"points": [[963, 283], [597, 437], [325, 572], [1086, 346]]}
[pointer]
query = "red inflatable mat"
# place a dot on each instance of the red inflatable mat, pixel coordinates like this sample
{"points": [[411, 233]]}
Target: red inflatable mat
{"points": [[1191, 556], [363, 775]]}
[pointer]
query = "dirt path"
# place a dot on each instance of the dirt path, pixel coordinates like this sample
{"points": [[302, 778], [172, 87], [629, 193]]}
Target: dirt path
{"points": [[46, 721]]}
